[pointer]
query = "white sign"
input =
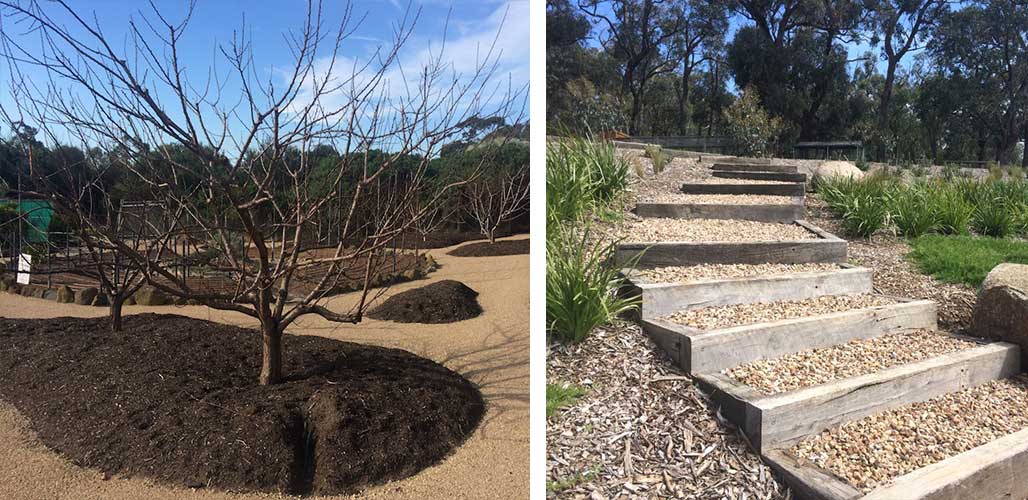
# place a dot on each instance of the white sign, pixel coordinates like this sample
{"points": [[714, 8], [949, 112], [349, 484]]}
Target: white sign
{"points": [[24, 268]]}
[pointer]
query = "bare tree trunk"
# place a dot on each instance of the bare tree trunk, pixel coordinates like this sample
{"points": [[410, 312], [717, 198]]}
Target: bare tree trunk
{"points": [[117, 300], [883, 106], [683, 101], [271, 354], [1024, 150]]}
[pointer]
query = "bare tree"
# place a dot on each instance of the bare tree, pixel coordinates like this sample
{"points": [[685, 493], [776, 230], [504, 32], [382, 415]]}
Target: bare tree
{"points": [[227, 154], [495, 198]]}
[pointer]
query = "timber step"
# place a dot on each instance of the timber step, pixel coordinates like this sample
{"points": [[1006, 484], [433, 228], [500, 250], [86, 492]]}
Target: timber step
{"points": [[762, 213], [660, 299], [772, 421], [770, 188], [825, 247], [710, 351], [760, 176], [754, 167], [993, 470]]}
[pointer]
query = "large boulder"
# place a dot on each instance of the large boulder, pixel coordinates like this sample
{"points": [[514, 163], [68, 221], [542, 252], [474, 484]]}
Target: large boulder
{"points": [[65, 295], [829, 169], [85, 296], [1002, 309], [150, 296]]}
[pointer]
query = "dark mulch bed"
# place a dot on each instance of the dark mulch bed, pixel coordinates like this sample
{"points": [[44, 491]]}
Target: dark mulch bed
{"points": [[175, 399], [444, 301], [486, 249]]}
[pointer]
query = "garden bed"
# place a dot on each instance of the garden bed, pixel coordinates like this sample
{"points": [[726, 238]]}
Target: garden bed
{"points": [[444, 301], [958, 436], [176, 400], [486, 249], [852, 359]]}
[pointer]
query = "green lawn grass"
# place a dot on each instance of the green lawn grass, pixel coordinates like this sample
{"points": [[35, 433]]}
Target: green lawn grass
{"points": [[561, 395], [964, 259]]}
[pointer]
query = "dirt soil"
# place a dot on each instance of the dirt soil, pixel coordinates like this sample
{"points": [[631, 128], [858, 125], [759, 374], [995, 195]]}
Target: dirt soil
{"points": [[486, 249], [490, 350], [444, 301], [349, 415]]}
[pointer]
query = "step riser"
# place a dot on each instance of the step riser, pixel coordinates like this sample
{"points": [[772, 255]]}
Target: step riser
{"points": [[659, 299], [776, 421], [760, 176], [698, 351], [771, 252], [755, 167], [759, 213], [795, 189]]}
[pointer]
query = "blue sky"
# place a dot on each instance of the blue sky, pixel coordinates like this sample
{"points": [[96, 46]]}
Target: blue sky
{"points": [[470, 27]]}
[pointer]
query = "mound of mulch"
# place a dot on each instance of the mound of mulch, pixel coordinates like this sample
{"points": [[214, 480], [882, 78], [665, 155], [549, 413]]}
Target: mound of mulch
{"points": [[444, 301], [176, 399], [486, 249]]}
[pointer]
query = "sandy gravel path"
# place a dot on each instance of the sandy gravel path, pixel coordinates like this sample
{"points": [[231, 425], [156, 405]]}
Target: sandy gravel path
{"points": [[492, 350]]}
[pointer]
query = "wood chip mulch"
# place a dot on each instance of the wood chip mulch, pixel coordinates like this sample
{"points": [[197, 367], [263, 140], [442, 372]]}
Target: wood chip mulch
{"points": [[852, 359], [895, 275], [642, 430], [682, 274], [714, 317], [873, 451], [654, 229]]}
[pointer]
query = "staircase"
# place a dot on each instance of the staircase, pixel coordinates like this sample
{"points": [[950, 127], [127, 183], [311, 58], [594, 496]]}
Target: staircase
{"points": [[774, 422]]}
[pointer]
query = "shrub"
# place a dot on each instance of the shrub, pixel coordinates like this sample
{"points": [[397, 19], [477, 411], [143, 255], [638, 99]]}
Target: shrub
{"points": [[752, 130], [952, 211], [863, 215], [993, 217], [581, 175], [569, 186], [913, 211], [995, 172], [950, 171], [656, 154], [581, 286], [1016, 172]]}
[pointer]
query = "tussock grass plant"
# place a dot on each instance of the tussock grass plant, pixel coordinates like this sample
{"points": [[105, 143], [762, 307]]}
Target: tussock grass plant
{"points": [[913, 210], [581, 285], [656, 154]]}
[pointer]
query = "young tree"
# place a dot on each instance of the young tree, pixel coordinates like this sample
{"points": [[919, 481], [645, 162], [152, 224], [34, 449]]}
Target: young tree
{"points": [[496, 197], [245, 193]]}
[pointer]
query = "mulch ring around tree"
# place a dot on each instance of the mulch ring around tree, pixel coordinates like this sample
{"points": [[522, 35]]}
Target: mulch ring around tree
{"points": [[176, 400], [486, 249], [444, 301]]}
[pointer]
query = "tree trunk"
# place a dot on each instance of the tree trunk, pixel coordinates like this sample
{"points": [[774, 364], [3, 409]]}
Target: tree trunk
{"points": [[116, 303], [633, 126], [1024, 150], [683, 101], [271, 355], [271, 340], [492, 237], [883, 106]]}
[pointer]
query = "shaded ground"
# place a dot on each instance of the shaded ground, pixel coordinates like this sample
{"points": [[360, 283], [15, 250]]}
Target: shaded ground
{"points": [[349, 416], [490, 350], [444, 301], [486, 249]]}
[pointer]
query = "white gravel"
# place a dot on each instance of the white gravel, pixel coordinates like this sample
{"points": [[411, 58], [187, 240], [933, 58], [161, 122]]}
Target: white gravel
{"points": [[682, 274], [852, 359], [711, 318], [873, 451], [657, 229]]}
